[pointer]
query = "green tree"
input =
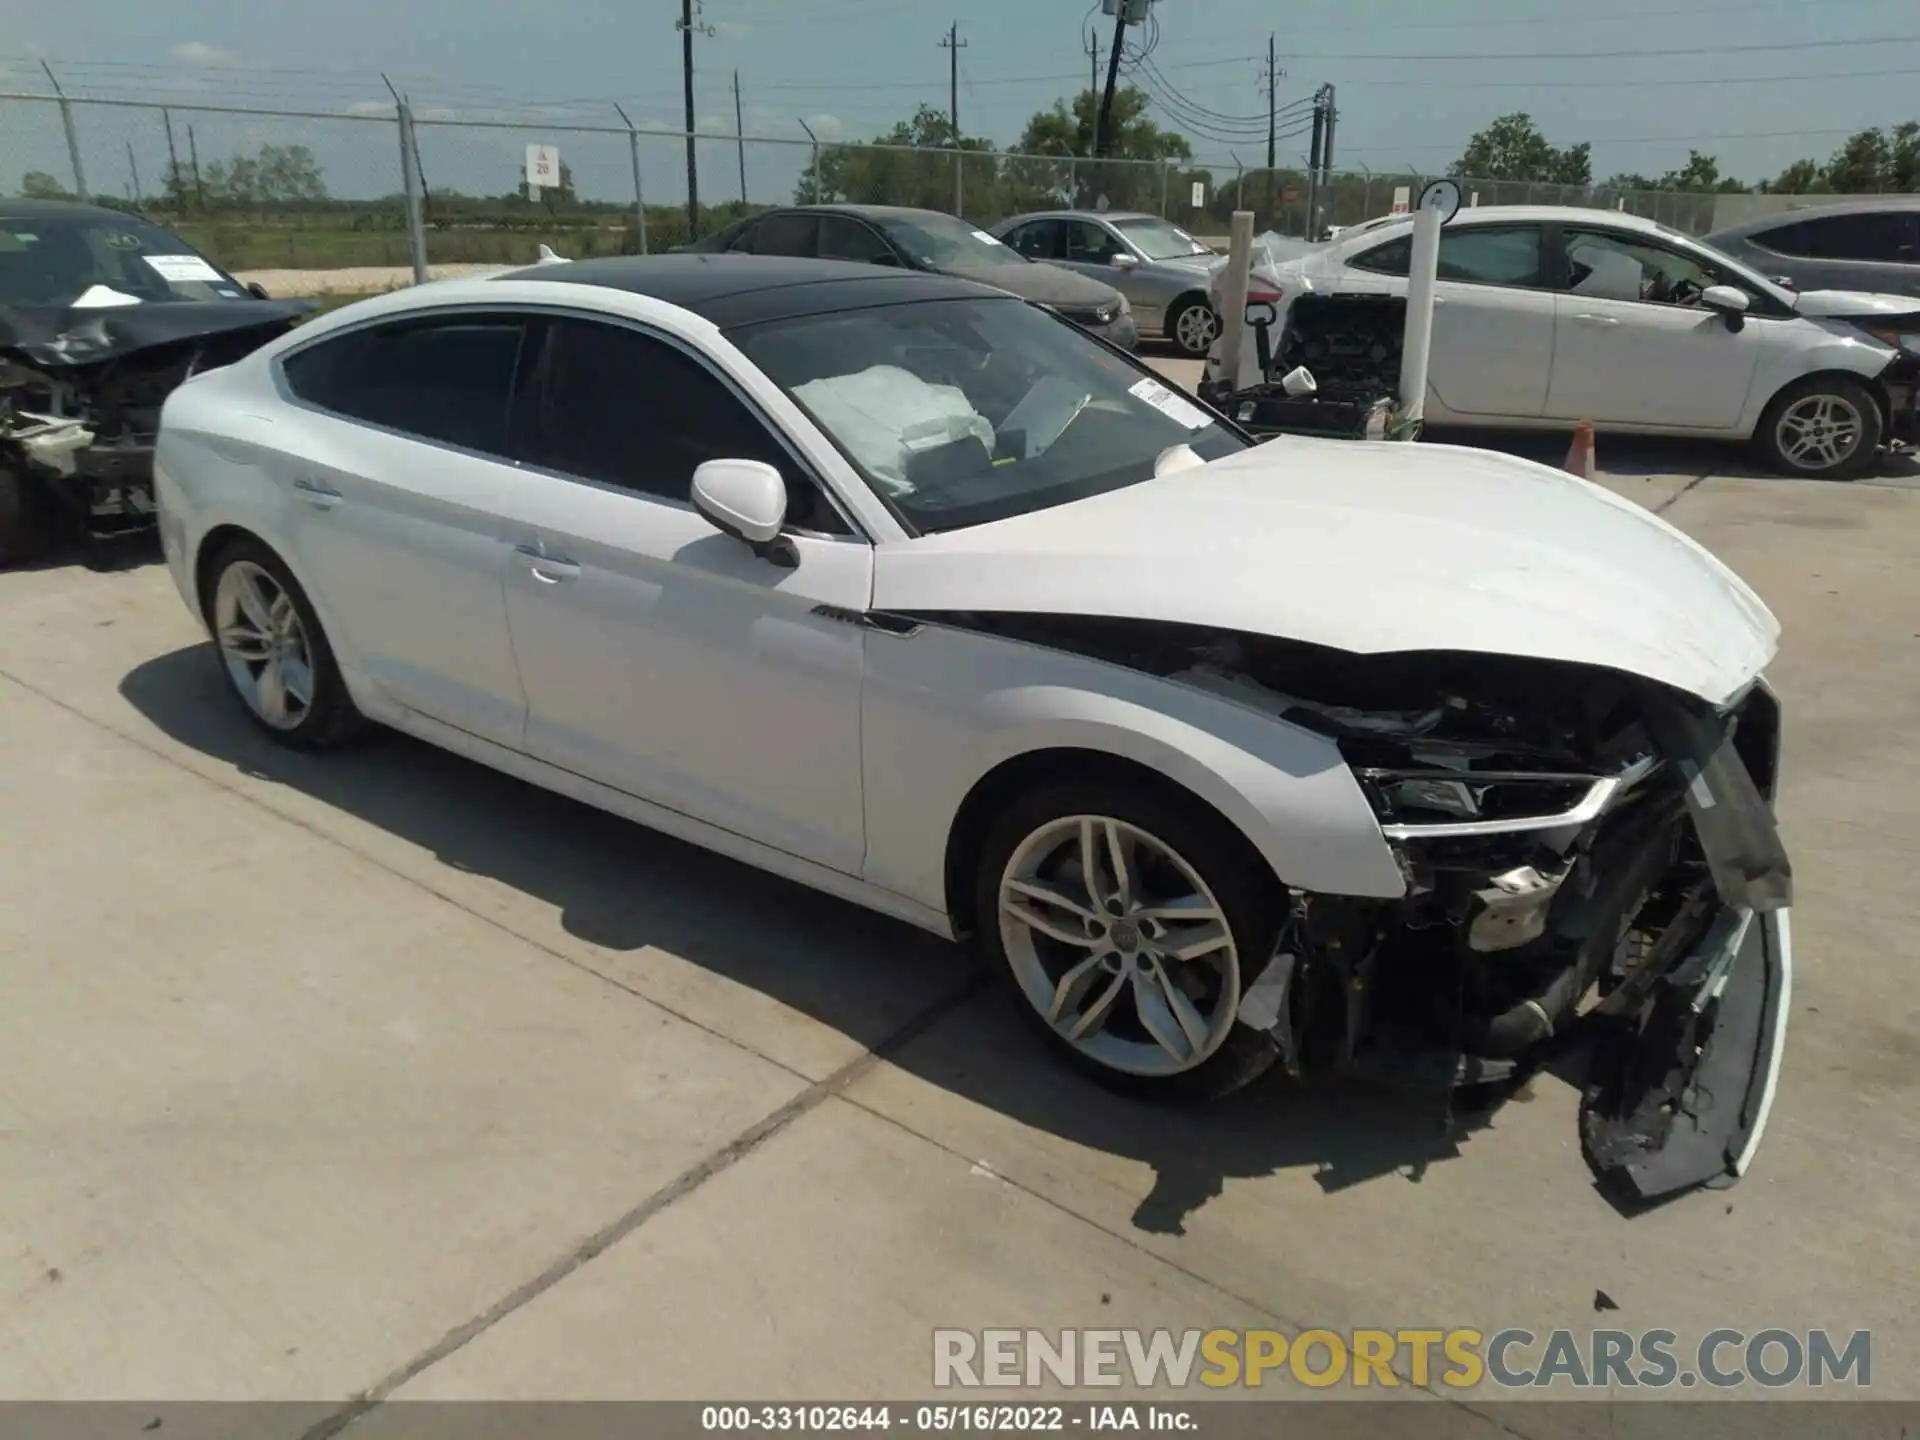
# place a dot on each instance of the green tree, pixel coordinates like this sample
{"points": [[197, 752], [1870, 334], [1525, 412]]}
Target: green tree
{"points": [[915, 167], [39, 185], [1802, 177], [273, 175], [1512, 148], [553, 198], [1863, 165], [1142, 160]]}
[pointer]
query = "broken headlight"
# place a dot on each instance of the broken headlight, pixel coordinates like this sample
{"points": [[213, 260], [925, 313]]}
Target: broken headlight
{"points": [[1414, 803]]}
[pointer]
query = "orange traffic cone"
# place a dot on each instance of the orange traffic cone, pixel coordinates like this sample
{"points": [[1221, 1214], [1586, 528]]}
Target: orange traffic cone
{"points": [[1580, 458]]}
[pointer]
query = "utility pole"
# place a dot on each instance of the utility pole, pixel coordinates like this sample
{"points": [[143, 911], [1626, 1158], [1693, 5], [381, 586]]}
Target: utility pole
{"points": [[1274, 76], [1102, 124], [953, 45], [686, 26], [740, 138], [1093, 65], [1313, 162], [174, 189]]}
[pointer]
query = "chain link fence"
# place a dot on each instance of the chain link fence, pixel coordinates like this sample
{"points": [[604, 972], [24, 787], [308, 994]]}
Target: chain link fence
{"points": [[318, 196]]}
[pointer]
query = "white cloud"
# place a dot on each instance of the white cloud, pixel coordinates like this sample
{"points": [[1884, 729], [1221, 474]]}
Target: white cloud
{"points": [[827, 127], [370, 107], [436, 112], [732, 30], [198, 52]]}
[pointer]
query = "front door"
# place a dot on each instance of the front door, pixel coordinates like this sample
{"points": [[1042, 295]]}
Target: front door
{"points": [[660, 656], [1634, 345]]}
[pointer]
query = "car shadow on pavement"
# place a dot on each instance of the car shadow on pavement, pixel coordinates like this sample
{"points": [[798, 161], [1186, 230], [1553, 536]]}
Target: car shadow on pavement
{"points": [[620, 888]]}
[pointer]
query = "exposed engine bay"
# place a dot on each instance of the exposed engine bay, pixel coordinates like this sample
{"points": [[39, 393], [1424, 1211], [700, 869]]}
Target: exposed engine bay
{"points": [[80, 398], [1588, 857], [1350, 344]]}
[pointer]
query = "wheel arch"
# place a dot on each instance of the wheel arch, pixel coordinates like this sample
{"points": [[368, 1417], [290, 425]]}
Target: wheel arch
{"points": [[1832, 362]]}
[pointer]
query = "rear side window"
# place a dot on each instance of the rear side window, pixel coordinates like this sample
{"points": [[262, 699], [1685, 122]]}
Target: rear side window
{"points": [[448, 380], [1889, 236], [1483, 255], [789, 234], [1037, 239]]}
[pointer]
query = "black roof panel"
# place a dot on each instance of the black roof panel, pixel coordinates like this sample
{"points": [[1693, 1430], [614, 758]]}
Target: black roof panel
{"points": [[18, 207], [734, 290]]}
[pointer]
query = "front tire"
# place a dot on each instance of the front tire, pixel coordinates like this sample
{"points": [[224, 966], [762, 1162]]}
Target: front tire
{"points": [[1193, 327], [273, 651], [1128, 920], [1826, 427]]}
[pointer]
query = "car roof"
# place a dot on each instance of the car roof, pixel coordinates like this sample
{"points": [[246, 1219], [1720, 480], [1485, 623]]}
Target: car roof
{"points": [[1540, 214], [1855, 205], [21, 208], [732, 290], [1082, 215]]}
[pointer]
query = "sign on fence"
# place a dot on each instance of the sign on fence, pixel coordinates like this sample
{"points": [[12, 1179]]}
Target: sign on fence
{"points": [[1199, 194], [543, 169], [1402, 200]]}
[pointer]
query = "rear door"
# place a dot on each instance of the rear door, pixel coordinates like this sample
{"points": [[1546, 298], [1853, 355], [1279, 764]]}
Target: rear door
{"points": [[842, 237], [1039, 239], [1493, 316], [394, 503], [1634, 346], [787, 232], [1875, 250]]}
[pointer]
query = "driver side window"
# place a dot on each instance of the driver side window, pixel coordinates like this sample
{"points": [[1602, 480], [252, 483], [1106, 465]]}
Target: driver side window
{"points": [[1090, 243], [1607, 266]]}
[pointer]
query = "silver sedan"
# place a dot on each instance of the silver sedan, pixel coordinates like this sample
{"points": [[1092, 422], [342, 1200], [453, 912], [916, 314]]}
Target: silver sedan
{"points": [[1160, 268]]}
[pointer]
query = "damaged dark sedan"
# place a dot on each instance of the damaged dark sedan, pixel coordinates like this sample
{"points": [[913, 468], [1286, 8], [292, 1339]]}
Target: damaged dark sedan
{"points": [[1414, 760], [102, 313]]}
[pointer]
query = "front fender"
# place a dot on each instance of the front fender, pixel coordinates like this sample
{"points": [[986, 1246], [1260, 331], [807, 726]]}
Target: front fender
{"points": [[943, 708], [1841, 352]]}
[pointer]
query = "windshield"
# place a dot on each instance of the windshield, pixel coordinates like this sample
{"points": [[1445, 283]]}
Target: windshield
{"points": [[92, 261], [961, 412], [941, 242], [1160, 240]]}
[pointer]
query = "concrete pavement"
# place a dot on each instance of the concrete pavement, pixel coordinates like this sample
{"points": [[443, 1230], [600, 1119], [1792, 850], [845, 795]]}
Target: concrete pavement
{"points": [[383, 1074]]}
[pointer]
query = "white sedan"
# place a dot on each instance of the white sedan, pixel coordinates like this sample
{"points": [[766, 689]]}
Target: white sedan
{"points": [[910, 591], [1548, 315]]}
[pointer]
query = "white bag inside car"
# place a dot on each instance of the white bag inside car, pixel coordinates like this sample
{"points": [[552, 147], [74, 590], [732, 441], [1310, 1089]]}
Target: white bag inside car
{"points": [[886, 415]]}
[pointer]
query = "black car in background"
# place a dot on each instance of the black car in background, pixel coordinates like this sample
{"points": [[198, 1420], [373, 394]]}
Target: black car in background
{"points": [[926, 240], [1872, 244], [102, 315]]}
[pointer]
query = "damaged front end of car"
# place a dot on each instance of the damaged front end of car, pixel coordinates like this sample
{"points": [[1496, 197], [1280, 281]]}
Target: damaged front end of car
{"points": [[1594, 882], [80, 399]]}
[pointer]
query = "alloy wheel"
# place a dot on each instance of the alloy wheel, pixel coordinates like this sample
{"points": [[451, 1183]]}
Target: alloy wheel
{"points": [[1819, 432], [263, 644], [1119, 945], [1195, 329]]}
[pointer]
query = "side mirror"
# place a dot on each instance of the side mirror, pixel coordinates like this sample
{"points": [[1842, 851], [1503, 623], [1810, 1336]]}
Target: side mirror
{"points": [[257, 290], [1729, 301], [746, 499], [1123, 261]]}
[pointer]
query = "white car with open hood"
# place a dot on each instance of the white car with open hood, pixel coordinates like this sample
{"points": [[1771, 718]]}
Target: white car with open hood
{"points": [[1398, 758]]}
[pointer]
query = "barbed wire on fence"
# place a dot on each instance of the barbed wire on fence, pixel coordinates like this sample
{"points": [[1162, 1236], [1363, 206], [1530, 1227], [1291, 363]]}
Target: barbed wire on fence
{"points": [[262, 188]]}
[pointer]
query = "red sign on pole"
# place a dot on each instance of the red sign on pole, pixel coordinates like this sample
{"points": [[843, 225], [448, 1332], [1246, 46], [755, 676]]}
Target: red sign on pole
{"points": [[1289, 196]]}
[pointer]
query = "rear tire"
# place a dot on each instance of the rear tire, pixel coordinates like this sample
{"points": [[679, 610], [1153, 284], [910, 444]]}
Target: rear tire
{"points": [[25, 528], [1825, 427], [1193, 327], [1144, 1003], [273, 651]]}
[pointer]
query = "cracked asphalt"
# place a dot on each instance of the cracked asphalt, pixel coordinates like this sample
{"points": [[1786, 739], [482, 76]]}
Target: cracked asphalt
{"points": [[384, 1076]]}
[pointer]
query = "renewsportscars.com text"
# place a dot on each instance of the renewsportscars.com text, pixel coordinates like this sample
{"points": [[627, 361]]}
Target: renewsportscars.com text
{"points": [[1514, 1359]]}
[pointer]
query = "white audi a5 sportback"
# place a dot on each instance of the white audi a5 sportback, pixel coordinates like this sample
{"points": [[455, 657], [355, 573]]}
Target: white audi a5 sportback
{"points": [[1391, 757]]}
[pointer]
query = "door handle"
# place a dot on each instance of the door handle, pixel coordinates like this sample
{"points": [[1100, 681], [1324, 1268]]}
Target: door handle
{"points": [[1608, 320], [319, 496], [547, 569]]}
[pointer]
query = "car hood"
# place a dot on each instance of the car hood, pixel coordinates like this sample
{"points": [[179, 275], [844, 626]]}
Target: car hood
{"points": [[1043, 283], [64, 337], [1855, 305], [1368, 548]]}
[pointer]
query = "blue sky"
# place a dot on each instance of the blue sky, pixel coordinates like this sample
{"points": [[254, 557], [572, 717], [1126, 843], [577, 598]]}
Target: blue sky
{"points": [[1758, 84]]}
